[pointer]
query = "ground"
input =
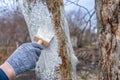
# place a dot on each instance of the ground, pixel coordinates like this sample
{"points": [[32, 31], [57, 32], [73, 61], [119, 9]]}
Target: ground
{"points": [[87, 68], [30, 75]]}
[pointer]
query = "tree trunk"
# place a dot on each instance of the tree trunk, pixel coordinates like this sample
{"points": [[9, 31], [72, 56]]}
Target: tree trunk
{"points": [[108, 22], [57, 61]]}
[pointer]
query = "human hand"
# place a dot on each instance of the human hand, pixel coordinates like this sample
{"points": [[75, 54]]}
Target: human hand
{"points": [[24, 57]]}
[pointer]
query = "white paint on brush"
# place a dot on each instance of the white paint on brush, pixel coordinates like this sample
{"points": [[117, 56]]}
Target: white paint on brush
{"points": [[45, 34]]}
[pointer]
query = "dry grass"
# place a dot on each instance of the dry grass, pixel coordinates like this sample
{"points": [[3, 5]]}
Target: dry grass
{"points": [[5, 52]]}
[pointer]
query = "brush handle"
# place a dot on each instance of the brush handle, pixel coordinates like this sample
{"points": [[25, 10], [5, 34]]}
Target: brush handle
{"points": [[41, 41]]}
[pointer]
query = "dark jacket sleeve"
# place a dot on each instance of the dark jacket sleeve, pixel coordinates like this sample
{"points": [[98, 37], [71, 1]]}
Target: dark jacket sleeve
{"points": [[3, 75]]}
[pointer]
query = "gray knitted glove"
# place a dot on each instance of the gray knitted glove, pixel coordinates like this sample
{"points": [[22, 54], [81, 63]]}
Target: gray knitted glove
{"points": [[25, 57]]}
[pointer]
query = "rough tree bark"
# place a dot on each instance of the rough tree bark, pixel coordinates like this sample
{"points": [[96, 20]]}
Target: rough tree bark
{"points": [[57, 62], [108, 22]]}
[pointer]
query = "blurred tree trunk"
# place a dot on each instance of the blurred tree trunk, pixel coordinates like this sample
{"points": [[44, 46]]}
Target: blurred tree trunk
{"points": [[57, 62], [108, 22]]}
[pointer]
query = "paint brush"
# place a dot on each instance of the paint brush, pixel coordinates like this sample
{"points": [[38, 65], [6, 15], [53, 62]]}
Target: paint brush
{"points": [[44, 36]]}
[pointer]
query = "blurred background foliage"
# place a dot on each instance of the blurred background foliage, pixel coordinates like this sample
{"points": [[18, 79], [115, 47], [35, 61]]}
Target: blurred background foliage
{"points": [[82, 25]]}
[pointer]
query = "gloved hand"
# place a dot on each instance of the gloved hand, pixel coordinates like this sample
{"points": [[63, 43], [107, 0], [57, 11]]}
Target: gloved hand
{"points": [[24, 57]]}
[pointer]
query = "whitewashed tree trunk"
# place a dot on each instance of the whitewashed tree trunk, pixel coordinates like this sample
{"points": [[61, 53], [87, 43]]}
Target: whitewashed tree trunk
{"points": [[57, 62], [108, 19]]}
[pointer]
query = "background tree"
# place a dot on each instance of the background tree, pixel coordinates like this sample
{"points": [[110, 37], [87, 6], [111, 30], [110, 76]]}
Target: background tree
{"points": [[82, 24], [108, 23]]}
